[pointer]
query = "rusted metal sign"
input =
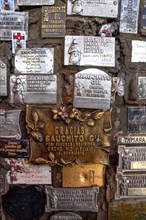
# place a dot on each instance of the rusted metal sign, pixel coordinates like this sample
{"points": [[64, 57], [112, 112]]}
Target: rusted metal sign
{"points": [[34, 61], [70, 199], [129, 16], [132, 139], [53, 21], [138, 51], [92, 89], [89, 51], [97, 8], [3, 79], [84, 175], [33, 89], [66, 216], [35, 2], [68, 135]]}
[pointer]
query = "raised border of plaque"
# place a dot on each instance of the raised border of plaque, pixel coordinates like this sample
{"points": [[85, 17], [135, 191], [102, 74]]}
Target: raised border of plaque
{"points": [[70, 199], [3, 79], [66, 216], [35, 2]]}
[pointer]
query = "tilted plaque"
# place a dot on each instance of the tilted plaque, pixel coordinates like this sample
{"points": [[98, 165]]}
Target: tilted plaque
{"points": [[84, 175], [35, 2], [33, 89], [3, 79], [66, 216], [53, 21], [9, 124], [11, 148], [131, 158], [34, 61], [70, 199], [132, 139], [92, 89], [138, 51], [97, 8], [129, 16], [142, 87], [89, 51], [131, 186], [64, 136], [12, 21]]}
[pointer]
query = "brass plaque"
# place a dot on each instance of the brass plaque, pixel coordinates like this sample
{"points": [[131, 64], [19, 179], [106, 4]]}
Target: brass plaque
{"points": [[84, 175], [65, 136]]}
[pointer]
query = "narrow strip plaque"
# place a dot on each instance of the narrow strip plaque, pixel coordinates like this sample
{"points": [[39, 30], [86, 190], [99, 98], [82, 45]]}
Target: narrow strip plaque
{"points": [[143, 18], [132, 139], [66, 216], [89, 51], [35, 2], [70, 199], [38, 89], [3, 79]]}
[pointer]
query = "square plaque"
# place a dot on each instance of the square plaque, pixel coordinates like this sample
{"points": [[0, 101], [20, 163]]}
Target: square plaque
{"points": [[89, 51], [41, 89], [7, 5], [53, 21], [138, 51], [3, 79], [92, 89], [35, 2]]}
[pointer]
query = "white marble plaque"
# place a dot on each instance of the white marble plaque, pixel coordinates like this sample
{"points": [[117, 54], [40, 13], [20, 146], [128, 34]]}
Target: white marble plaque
{"points": [[92, 89], [22, 172], [3, 79], [99, 8], [34, 61], [138, 51], [35, 2], [89, 51], [33, 89]]}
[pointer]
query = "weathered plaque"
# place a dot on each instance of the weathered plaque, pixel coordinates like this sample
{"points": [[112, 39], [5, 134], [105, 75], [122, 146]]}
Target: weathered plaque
{"points": [[143, 16], [129, 209], [53, 21], [131, 186], [89, 51], [9, 124], [131, 158], [84, 175], [12, 21], [34, 61], [33, 89], [138, 51], [7, 5], [99, 8], [22, 172], [137, 120], [68, 135], [36, 2], [128, 140], [129, 16], [142, 87], [3, 79], [70, 199], [92, 89], [14, 148], [66, 216]]}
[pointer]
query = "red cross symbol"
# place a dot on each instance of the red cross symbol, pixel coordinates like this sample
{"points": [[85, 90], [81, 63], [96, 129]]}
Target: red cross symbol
{"points": [[18, 36]]}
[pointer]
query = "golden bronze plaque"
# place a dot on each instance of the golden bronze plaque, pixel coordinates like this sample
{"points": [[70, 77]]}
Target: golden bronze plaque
{"points": [[84, 175], [66, 136]]}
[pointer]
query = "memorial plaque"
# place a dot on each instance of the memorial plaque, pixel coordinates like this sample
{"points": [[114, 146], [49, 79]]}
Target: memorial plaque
{"points": [[129, 16], [89, 51], [84, 175], [53, 21], [9, 124], [142, 87], [131, 186], [129, 209], [131, 158], [68, 135], [39, 89], [128, 140], [138, 51], [35, 2], [14, 148], [70, 199], [137, 120], [12, 21], [3, 79], [7, 5], [92, 89], [66, 216], [22, 172], [34, 61], [96, 8]]}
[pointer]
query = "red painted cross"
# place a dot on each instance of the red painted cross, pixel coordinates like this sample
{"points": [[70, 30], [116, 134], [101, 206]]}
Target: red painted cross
{"points": [[18, 36]]}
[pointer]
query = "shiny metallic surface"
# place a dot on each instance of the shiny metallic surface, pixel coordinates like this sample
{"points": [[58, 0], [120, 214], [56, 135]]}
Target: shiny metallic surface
{"points": [[3, 79]]}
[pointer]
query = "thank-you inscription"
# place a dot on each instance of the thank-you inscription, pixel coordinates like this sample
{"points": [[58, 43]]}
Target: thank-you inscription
{"points": [[3, 79], [70, 199], [92, 89], [35, 61], [33, 89], [99, 8], [89, 50], [68, 135], [35, 2], [53, 21], [129, 16], [66, 216]]}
